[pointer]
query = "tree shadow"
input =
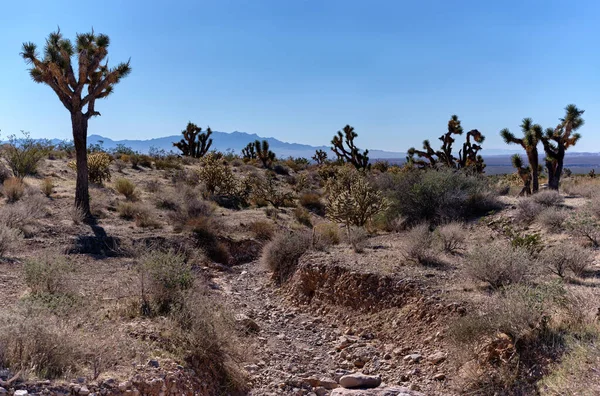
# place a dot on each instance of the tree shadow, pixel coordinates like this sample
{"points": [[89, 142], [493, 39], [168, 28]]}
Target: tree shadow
{"points": [[100, 245]]}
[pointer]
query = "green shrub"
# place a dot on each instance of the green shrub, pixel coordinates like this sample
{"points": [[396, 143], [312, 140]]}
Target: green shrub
{"points": [[282, 254], [437, 195], [24, 155], [164, 276], [127, 188], [47, 274], [98, 167]]}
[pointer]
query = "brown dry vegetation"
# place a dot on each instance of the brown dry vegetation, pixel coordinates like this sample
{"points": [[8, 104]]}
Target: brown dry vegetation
{"points": [[234, 274]]}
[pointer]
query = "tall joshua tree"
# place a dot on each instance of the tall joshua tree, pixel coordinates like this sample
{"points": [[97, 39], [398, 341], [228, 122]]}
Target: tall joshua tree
{"points": [[532, 134], [556, 142], [345, 150], [195, 143], [76, 89]]}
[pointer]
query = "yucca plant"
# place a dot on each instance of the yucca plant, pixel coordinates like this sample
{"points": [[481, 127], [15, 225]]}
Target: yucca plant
{"points": [[77, 89], [532, 134]]}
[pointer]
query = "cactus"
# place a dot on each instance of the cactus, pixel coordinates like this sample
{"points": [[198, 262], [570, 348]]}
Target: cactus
{"points": [[468, 157], [263, 153], [248, 152], [351, 154], [98, 166], [194, 143], [524, 173], [320, 157]]}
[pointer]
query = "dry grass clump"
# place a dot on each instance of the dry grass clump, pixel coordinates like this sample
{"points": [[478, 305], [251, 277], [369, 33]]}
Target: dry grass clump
{"points": [[451, 237], [498, 264], [13, 189], [302, 216], [325, 235], [204, 229], [418, 244], [47, 187], [548, 198], [312, 201], [23, 215], [527, 210], [127, 188], [281, 255], [153, 186], [567, 256], [8, 239], [47, 274], [77, 214], [357, 238], [36, 343], [262, 230], [142, 214], [167, 201], [192, 207], [127, 210], [586, 188], [552, 219]]}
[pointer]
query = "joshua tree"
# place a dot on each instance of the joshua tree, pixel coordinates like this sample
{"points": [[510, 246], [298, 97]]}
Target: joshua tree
{"points": [[263, 153], [194, 143], [532, 133], [76, 89], [524, 173], [468, 157], [351, 154], [556, 142], [248, 152], [320, 157]]}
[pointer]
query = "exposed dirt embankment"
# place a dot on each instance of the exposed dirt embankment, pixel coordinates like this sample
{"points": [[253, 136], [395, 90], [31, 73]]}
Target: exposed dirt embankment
{"points": [[319, 281]]}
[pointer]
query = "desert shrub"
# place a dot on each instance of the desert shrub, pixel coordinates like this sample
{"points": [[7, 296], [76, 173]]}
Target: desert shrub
{"points": [[299, 183], [47, 274], [498, 264], [24, 155], [585, 225], [47, 187], [167, 201], [145, 218], [127, 188], [312, 201], [357, 238], [13, 189], [192, 207], [216, 175], [351, 199], [552, 219], [164, 276], [262, 230], [266, 190], [33, 342], [325, 235], [4, 172], [204, 231], [127, 210], [77, 214], [8, 239], [145, 161], [436, 195], [529, 241], [527, 210], [167, 164], [98, 167], [418, 244], [282, 254], [548, 198], [23, 215], [302, 216], [567, 256], [153, 186], [205, 336], [451, 237], [120, 164]]}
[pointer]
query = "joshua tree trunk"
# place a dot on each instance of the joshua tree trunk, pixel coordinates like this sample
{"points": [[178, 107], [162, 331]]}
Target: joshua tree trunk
{"points": [[82, 195], [534, 164]]}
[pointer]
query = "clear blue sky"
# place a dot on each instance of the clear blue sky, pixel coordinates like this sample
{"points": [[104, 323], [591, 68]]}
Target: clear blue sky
{"points": [[300, 70]]}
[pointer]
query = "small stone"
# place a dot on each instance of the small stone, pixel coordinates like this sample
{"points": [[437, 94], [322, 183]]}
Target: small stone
{"points": [[437, 358], [84, 391], [247, 324], [21, 392], [413, 357], [123, 386], [3, 391], [439, 377], [153, 363], [359, 380]]}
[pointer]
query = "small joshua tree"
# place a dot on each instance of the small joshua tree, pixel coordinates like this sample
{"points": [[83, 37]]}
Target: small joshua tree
{"points": [[320, 157], [195, 143], [524, 173], [345, 150], [78, 89], [532, 133], [248, 152], [266, 156], [556, 142]]}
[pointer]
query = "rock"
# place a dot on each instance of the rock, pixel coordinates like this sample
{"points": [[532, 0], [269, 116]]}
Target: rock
{"points": [[84, 391], [3, 391], [123, 386], [21, 392], [383, 391], [437, 357], [247, 324], [153, 363], [439, 377], [359, 380], [413, 357]]}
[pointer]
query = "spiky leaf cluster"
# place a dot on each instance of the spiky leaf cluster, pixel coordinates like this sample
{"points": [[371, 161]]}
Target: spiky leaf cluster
{"points": [[98, 167], [195, 143], [320, 157]]}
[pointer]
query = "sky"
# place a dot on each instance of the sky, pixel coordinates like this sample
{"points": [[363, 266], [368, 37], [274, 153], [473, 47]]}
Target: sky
{"points": [[300, 70]]}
